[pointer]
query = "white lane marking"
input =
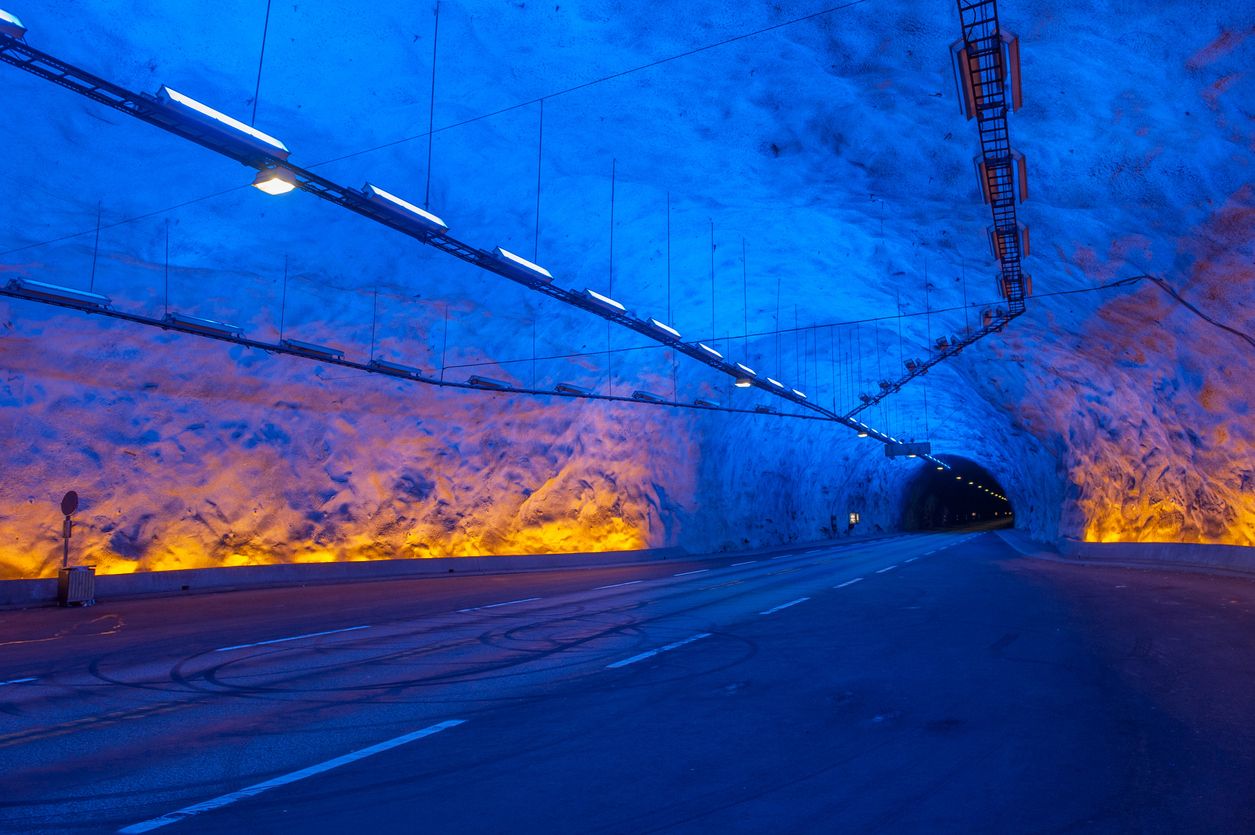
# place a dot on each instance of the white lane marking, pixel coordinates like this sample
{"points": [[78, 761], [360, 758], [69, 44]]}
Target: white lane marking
{"points": [[687, 573], [747, 562], [617, 585], [775, 609], [848, 583], [651, 653], [285, 779], [495, 605], [912, 559], [292, 638], [886, 568], [16, 681], [930, 553]]}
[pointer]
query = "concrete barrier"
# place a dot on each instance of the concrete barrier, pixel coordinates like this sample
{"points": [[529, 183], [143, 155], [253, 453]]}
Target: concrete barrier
{"points": [[1187, 556]]}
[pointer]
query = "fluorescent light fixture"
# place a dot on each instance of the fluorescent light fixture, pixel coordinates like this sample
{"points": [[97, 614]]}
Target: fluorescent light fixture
{"points": [[274, 181], [312, 349], [775, 383], [709, 350], [56, 293], [405, 211], [488, 383], [517, 264], [911, 455], [941, 468], [747, 369], [765, 410], [206, 326], [189, 109], [604, 302], [647, 397], [709, 404], [743, 382], [862, 434], [958, 478], [664, 328], [800, 394], [10, 25], [567, 388], [395, 368]]}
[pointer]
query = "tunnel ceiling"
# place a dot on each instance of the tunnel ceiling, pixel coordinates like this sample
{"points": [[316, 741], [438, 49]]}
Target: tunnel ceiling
{"points": [[827, 152]]}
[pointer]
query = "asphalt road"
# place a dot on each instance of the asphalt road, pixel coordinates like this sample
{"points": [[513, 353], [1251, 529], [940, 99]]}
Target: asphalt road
{"points": [[923, 684]]}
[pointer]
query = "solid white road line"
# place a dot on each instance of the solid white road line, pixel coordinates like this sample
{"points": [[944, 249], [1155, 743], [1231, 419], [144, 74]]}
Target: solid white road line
{"points": [[775, 609], [285, 779], [651, 653], [848, 583], [495, 605], [292, 638], [16, 681], [617, 585], [886, 568], [747, 562], [687, 573]]}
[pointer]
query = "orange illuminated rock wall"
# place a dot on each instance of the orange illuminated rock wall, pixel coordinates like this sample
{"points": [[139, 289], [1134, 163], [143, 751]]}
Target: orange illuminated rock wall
{"points": [[188, 456]]}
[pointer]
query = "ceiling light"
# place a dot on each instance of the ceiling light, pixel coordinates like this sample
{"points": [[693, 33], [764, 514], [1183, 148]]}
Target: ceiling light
{"points": [[405, 211], [862, 434], [664, 328], [604, 302], [709, 350], [205, 326], [743, 382], [274, 181], [519, 265], [800, 394], [747, 369], [709, 404], [775, 383], [311, 349], [57, 293], [11, 26], [488, 383], [647, 397], [191, 112], [567, 388], [395, 368]]}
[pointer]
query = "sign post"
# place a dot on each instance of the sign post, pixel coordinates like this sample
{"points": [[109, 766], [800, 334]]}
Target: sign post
{"points": [[69, 504]]}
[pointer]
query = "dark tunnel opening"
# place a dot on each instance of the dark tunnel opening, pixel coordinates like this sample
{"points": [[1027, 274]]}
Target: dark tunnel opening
{"points": [[966, 494]]}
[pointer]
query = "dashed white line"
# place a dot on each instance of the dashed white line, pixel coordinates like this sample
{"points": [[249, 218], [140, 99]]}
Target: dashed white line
{"points": [[688, 573], [848, 583], [886, 568], [285, 779], [495, 605], [912, 559], [292, 638], [651, 653], [617, 585], [747, 562], [16, 681], [775, 609]]}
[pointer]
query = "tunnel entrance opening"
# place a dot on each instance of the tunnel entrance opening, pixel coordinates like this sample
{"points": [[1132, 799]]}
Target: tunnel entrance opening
{"points": [[966, 494]]}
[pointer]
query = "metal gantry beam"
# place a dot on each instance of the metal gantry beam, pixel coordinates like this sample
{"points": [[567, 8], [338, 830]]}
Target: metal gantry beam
{"points": [[257, 155], [984, 83]]}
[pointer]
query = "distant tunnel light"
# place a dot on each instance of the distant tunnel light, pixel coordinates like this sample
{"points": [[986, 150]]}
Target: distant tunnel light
{"points": [[567, 388], [313, 350], [205, 326], [709, 350], [488, 383], [604, 302], [664, 328], [395, 368], [274, 181], [11, 26], [405, 211], [188, 109], [57, 293], [518, 263]]}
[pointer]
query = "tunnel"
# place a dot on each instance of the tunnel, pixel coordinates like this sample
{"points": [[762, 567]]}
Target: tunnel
{"points": [[937, 498]]}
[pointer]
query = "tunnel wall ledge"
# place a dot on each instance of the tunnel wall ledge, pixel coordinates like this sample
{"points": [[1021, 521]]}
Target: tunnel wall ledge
{"points": [[42, 591], [1185, 556]]}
